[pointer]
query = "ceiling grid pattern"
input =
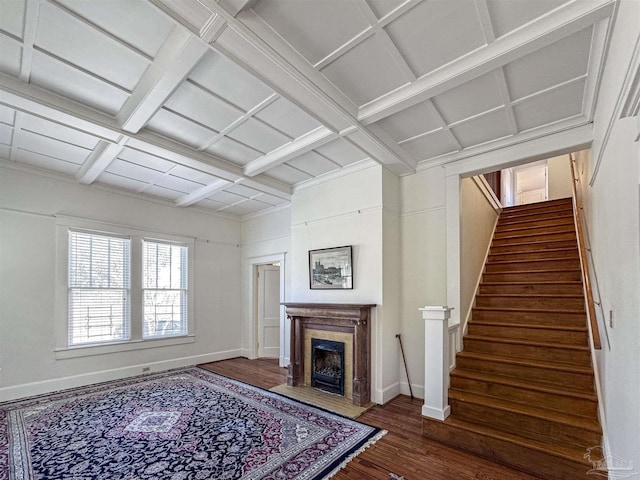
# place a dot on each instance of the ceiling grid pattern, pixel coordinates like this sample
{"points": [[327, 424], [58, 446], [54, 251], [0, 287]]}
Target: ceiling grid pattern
{"points": [[230, 105]]}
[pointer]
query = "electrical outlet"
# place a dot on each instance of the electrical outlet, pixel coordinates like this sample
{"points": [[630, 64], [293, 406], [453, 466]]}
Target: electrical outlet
{"points": [[146, 369]]}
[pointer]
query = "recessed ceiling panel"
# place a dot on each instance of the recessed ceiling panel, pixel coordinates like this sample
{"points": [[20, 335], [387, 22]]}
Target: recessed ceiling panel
{"points": [[48, 163], [313, 164], [557, 63], [60, 132], [136, 22], [430, 146], [270, 199], [342, 152], [437, 32], [314, 28], [287, 174], [227, 198], [250, 206], [227, 80], [409, 123], [288, 118], [122, 182], [208, 203], [53, 148], [6, 134], [74, 84], [146, 160], [242, 190], [234, 151], [178, 184], [12, 17], [193, 175], [365, 72], [133, 171], [11, 55], [507, 15], [174, 126], [552, 106], [74, 41], [483, 129], [165, 193], [259, 135], [204, 108], [383, 7], [7, 115], [471, 98]]}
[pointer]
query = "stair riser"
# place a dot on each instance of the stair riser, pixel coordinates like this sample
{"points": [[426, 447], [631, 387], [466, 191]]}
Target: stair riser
{"points": [[540, 429], [572, 380], [565, 264], [547, 354], [537, 220], [533, 224], [539, 255], [561, 403], [535, 462], [558, 276], [528, 246], [530, 334], [543, 237], [531, 318], [551, 303], [541, 288], [542, 207], [539, 231]]}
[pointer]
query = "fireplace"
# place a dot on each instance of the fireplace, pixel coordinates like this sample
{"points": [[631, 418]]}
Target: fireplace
{"points": [[348, 324], [327, 365]]}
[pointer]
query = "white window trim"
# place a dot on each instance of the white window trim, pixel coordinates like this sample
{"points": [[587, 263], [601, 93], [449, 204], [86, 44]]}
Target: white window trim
{"points": [[136, 341]]}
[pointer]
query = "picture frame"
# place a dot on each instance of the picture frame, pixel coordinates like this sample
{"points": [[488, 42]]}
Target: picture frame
{"points": [[331, 268]]}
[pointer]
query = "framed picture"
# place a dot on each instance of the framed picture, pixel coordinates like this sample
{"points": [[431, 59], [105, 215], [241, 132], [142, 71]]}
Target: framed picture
{"points": [[330, 268]]}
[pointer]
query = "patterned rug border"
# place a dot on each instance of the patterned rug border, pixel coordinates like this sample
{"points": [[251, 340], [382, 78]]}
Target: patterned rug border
{"points": [[76, 392]]}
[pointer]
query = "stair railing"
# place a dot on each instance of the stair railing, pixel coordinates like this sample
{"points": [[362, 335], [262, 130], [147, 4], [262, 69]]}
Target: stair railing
{"points": [[586, 278]]}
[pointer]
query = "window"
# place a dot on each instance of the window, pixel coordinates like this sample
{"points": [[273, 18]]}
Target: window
{"points": [[99, 296], [164, 286]]}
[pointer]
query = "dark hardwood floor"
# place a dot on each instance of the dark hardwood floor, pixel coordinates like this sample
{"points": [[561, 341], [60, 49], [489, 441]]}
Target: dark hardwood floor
{"points": [[403, 451]]}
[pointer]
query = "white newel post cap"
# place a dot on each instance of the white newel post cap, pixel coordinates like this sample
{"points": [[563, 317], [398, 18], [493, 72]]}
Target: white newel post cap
{"points": [[436, 312]]}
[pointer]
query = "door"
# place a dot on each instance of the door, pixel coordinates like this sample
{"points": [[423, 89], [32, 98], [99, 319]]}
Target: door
{"points": [[268, 311]]}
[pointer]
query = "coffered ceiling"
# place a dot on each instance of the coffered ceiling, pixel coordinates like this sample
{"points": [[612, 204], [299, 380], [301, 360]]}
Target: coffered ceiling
{"points": [[229, 105]]}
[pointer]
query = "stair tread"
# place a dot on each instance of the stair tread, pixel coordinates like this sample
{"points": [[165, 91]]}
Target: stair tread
{"points": [[560, 346], [568, 451], [536, 242], [535, 295], [528, 385], [538, 310], [542, 250], [528, 410], [529, 325], [535, 271], [564, 367], [537, 282], [530, 260]]}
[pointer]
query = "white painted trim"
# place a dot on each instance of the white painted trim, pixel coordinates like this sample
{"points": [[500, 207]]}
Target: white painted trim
{"points": [[630, 84], [488, 192], [103, 154], [423, 211], [266, 211], [142, 344], [438, 414], [418, 390], [328, 177], [387, 394], [202, 193], [47, 386]]}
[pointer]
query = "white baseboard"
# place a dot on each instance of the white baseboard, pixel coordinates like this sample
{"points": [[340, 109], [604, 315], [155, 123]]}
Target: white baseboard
{"points": [[437, 413], [284, 362], [384, 395], [54, 385], [418, 390], [247, 353]]}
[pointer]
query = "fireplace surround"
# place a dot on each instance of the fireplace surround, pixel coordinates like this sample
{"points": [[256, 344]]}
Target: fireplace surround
{"points": [[352, 321]]}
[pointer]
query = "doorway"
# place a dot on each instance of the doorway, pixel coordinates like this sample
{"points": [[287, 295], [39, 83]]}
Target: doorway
{"points": [[525, 184], [268, 310]]}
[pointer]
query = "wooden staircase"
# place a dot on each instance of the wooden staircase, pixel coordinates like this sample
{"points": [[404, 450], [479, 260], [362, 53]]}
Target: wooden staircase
{"points": [[523, 391]]}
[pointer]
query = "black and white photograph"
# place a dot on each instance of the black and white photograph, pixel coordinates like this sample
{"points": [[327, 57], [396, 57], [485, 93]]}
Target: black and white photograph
{"points": [[330, 268]]}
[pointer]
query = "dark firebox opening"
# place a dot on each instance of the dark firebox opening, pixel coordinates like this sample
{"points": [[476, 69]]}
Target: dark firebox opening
{"points": [[327, 365]]}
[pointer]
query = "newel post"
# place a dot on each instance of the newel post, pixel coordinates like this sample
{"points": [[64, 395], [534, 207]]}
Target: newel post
{"points": [[436, 361]]}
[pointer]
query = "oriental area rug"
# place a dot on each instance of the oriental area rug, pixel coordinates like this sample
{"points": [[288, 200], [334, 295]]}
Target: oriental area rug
{"points": [[182, 424]]}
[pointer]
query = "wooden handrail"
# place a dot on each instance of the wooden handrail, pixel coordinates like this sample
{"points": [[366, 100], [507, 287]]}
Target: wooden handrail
{"points": [[586, 279]]}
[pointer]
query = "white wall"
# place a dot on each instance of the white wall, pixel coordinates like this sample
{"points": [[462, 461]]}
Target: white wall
{"points": [[613, 218], [477, 221], [265, 238], [559, 177], [423, 264], [28, 203]]}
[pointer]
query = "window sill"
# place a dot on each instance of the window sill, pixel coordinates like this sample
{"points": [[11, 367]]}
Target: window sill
{"points": [[87, 351]]}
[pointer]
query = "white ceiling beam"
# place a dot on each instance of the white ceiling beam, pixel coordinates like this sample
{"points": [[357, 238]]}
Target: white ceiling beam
{"points": [[179, 54], [234, 7], [36, 101], [202, 193], [17, 129], [99, 160], [32, 10], [546, 30], [300, 145]]}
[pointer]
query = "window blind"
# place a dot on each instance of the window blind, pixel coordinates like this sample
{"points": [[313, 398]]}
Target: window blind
{"points": [[99, 288], [164, 284]]}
